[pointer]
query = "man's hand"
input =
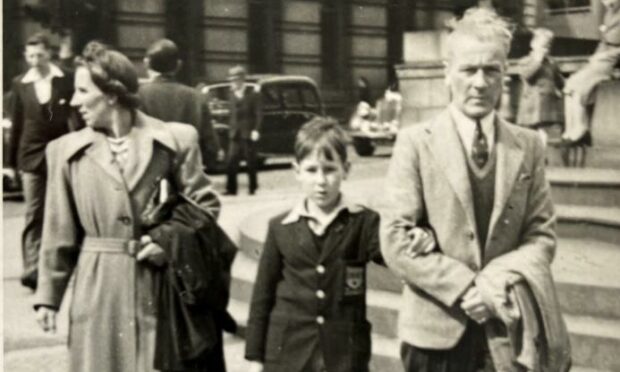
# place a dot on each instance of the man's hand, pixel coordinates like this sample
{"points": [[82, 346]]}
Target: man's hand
{"points": [[256, 367], [151, 252], [46, 317], [254, 136], [422, 241], [474, 307]]}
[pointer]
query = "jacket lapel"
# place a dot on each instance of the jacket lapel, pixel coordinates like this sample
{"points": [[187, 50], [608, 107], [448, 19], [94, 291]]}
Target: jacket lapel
{"points": [[509, 158], [336, 235], [100, 153], [303, 236], [450, 156]]}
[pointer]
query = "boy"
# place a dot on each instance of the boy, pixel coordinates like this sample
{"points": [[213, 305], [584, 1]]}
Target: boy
{"points": [[308, 310]]}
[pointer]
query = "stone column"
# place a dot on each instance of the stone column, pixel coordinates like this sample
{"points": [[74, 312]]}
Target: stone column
{"points": [[335, 43], [264, 36], [184, 27]]}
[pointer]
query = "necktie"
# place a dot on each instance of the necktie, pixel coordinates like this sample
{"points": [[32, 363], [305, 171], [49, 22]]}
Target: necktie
{"points": [[480, 147]]}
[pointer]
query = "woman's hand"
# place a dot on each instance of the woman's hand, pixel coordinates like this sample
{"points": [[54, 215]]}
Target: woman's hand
{"points": [[151, 252], [46, 317], [256, 367]]}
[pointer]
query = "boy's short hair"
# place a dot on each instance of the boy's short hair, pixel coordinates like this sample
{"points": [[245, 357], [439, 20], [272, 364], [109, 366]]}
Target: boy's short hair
{"points": [[323, 134], [39, 38], [163, 56]]}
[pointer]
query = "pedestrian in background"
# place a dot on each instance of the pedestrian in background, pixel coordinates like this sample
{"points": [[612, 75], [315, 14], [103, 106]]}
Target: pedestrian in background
{"points": [[243, 130], [164, 98], [541, 105], [478, 183], [308, 309], [101, 179], [580, 86], [40, 112]]}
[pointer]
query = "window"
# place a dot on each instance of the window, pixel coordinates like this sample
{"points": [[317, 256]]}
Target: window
{"points": [[291, 98], [270, 100], [311, 100]]}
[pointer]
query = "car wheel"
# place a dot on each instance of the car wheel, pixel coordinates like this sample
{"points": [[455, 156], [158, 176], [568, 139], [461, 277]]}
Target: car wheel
{"points": [[363, 146]]}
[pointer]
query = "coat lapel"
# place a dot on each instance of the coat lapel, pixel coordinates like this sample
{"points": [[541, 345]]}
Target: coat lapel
{"points": [[448, 151], [100, 153], [145, 132], [509, 158]]}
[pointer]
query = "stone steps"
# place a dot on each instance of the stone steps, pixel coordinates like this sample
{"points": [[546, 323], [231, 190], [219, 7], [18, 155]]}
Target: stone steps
{"points": [[589, 222], [591, 187], [606, 157], [385, 349], [595, 341]]}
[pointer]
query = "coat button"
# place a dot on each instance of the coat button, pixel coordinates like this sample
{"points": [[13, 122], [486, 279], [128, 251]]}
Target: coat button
{"points": [[320, 294], [125, 220], [471, 235], [320, 319], [320, 269], [473, 267]]}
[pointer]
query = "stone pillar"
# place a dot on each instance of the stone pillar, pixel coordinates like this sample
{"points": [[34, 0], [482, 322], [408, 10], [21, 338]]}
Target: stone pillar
{"points": [[335, 44], [184, 27], [11, 45], [264, 37], [398, 12]]}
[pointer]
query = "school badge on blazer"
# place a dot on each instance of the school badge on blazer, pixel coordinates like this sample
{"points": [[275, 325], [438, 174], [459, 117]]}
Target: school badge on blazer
{"points": [[354, 281]]}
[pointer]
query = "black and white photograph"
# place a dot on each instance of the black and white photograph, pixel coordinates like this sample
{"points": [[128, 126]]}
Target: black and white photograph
{"points": [[310, 186]]}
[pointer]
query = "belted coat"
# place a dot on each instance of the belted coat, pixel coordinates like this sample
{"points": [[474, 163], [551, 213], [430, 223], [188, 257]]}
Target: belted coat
{"points": [[90, 205]]}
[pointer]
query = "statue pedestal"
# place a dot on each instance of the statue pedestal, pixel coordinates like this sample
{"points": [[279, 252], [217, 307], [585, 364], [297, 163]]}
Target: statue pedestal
{"points": [[605, 125]]}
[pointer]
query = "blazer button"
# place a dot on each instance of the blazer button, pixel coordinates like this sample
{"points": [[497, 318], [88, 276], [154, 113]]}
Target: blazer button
{"points": [[320, 319], [125, 220], [320, 294], [320, 269]]}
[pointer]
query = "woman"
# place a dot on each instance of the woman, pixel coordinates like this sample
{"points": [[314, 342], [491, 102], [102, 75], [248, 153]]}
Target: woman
{"points": [[581, 85], [100, 180]]}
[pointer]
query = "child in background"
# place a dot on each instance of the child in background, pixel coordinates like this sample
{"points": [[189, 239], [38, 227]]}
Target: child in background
{"points": [[308, 309], [541, 104]]}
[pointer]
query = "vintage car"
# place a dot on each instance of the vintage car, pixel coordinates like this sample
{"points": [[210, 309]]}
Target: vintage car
{"points": [[288, 101]]}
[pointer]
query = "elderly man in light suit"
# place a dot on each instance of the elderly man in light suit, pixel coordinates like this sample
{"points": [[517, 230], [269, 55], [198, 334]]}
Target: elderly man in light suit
{"points": [[476, 184]]}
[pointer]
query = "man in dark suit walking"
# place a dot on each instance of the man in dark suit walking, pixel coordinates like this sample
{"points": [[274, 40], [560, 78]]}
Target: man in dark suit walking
{"points": [[166, 99], [40, 113], [244, 125]]}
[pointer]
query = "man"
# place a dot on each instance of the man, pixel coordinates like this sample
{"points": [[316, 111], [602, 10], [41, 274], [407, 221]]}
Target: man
{"points": [[166, 99], [40, 112], [478, 184], [244, 125]]}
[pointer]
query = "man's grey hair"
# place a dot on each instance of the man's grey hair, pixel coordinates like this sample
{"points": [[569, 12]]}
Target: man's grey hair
{"points": [[482, 24]]}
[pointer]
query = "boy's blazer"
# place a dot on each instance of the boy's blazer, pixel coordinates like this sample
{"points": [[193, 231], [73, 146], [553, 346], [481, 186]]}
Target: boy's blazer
{"points": [[428, 183], [289, 317]]}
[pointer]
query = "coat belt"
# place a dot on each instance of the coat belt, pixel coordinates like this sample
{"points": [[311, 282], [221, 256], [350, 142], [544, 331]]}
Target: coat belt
{"points": [[111, 245]]}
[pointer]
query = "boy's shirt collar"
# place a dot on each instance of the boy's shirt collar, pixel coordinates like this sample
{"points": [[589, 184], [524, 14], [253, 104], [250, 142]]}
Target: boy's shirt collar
{"points": [[33, 75], [317, 224]]}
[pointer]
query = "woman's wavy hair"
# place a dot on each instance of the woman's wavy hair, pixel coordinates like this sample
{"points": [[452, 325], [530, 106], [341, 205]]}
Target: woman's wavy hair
{"points": [[112, 72]]}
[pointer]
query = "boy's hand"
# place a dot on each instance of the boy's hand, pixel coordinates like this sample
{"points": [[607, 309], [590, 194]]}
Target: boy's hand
{"points": [[422, 241], [256, 367], [46, 317], [474, 306]]}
